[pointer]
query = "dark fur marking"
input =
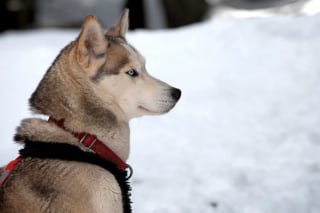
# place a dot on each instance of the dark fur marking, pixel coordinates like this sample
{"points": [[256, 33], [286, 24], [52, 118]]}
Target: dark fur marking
{"points": [[101, 117], [18, 138], [43, 190], [117, 40], [100, 55], [99, 75], [117, 58]]}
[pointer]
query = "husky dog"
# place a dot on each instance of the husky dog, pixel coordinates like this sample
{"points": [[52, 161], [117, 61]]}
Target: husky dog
{"points": [[93, 88]]}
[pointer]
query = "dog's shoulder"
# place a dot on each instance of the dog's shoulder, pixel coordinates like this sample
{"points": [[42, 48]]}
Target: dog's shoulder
{"points": [[54, 183]]}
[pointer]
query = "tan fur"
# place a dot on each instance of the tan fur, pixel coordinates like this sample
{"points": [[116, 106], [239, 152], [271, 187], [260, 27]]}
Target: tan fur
{"points": [[88, 86]]}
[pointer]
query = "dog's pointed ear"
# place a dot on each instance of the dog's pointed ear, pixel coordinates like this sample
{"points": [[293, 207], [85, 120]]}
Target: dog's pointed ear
{"points": [[120, 29], [91, 44]]}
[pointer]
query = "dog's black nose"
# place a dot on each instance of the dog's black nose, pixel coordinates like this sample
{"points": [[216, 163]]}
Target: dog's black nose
{"points": [[175, 93]]}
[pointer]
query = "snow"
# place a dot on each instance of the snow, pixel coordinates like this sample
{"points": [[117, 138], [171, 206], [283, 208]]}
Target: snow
{"points": [[311, 7], [245, 137]]}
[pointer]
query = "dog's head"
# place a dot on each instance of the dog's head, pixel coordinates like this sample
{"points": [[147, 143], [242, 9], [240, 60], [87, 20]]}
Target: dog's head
{"points": [[100, 74], [117, 73]]}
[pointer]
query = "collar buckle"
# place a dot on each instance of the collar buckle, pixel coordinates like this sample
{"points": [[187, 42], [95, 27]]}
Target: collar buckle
{"points": [[83, 138], [90, 143]]}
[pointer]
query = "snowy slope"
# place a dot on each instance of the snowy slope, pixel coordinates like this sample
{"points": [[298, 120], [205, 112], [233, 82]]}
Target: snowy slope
{"points": [[245, 137]]}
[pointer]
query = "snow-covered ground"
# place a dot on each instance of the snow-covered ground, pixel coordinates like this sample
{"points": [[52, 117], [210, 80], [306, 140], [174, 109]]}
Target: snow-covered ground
{"points": [[245, 137], [265, 9]]}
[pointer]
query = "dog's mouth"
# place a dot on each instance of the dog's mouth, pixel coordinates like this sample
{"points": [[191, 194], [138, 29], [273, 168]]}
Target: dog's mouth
{"points": [[164, 107], [148, 111]]}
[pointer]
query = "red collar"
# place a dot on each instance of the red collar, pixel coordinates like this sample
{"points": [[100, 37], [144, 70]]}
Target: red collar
{"points": [[94, 144]]}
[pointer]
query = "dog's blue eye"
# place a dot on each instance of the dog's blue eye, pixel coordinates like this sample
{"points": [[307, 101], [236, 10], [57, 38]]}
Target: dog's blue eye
{"points": [[132, 73]]}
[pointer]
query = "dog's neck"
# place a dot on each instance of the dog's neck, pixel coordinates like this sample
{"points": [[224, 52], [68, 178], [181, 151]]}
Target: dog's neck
{"points": [[115, 137], [39, 130], [74, 101], [94, 144], [105, 123]]}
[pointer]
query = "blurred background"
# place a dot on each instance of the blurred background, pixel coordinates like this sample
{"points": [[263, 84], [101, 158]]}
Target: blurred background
{"points": [[150, 14], [245, 136]]}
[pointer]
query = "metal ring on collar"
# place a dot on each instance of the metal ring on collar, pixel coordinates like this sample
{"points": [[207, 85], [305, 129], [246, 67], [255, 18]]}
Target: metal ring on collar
{"points": [[129, 172]]}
